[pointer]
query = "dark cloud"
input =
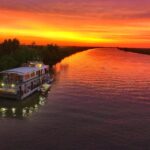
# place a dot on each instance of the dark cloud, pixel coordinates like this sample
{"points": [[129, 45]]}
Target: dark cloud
{"points": [[96, 9]]}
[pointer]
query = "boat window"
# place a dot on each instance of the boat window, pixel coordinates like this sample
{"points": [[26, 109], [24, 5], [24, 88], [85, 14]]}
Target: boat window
{"points": [[37, 73], [27, 76], [10, 78], [41, 71], [32, 74]]}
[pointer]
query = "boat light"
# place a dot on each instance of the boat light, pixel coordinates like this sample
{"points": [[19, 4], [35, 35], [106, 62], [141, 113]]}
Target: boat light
{"points": [[13, 110], [39, 65], [13, 85], [2, 84], [3, 109]]}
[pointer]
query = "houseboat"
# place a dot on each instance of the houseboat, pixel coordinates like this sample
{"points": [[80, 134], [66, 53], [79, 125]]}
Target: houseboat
{"points": [[19, 83]]}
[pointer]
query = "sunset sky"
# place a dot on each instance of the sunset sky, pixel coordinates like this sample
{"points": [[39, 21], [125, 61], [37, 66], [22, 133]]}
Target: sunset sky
{"points": [[77, 22]]}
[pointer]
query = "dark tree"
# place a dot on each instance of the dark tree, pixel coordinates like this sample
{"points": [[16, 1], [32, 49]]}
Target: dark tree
{"points": [[10, 46]]}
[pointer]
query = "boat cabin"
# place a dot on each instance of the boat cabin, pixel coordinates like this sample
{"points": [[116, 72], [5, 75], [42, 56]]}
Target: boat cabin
{"points": [[23, 81]]}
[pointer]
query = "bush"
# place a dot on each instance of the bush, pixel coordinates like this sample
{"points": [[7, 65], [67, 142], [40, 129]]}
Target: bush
{"points": [[7, 62]]}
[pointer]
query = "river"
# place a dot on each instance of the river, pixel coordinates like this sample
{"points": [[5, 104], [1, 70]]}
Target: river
{"points": [[100, 100]]}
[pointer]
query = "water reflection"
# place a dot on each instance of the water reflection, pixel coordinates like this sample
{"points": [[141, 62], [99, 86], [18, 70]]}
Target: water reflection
{"points": [[24, 108], [21, 109], [60, 67], [101, 95]]}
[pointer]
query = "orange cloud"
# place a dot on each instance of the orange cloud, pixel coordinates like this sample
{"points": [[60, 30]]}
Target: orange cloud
{"points": [[63, 23]]}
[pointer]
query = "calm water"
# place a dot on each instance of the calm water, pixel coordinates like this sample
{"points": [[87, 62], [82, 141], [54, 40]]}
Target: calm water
{"points": [[99, 101]]}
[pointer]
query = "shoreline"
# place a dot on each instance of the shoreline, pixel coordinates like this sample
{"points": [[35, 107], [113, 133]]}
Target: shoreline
{"points": [[145, 51], [66, 52], [13, 54]]}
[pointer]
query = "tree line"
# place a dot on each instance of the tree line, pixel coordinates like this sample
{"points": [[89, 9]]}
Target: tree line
{"points": [[13, 54]]}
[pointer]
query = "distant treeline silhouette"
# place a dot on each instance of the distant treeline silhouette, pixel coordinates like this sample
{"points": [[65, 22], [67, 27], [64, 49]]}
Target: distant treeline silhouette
{"points": [[13, 54], [137, 50]]}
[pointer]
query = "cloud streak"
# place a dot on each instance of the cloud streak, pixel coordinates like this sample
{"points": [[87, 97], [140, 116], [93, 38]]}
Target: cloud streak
{"points": [[94, 19], [89, 8]]}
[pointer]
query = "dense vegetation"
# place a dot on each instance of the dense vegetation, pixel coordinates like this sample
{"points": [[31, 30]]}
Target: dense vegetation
{"points": [[137, 50], [13, 54]]}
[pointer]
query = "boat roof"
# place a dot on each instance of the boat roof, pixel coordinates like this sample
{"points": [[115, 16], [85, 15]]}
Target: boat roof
{"points": [[23, 70]]}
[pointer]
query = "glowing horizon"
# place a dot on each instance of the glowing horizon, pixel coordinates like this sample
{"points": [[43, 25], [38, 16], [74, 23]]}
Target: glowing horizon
{"points": [[96, 23]]}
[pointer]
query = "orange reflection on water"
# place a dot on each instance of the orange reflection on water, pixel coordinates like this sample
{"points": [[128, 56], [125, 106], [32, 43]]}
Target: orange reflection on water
{"points": [[109, 66]]}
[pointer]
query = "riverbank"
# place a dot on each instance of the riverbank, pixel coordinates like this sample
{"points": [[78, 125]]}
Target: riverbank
{"points": [[137, 50], [13, 54]]}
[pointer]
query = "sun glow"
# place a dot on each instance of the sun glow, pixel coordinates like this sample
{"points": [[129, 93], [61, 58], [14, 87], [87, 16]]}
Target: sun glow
{"points": [[85, 26], [57, 35]]}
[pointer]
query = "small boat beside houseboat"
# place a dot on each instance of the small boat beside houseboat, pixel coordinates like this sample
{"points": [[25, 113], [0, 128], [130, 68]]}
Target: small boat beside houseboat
{"points": [[19, 83]]}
